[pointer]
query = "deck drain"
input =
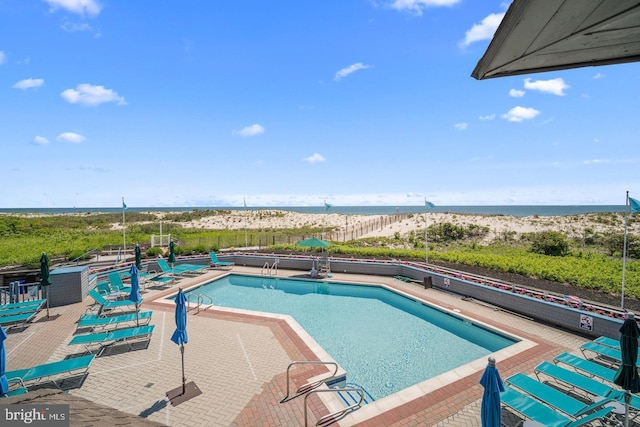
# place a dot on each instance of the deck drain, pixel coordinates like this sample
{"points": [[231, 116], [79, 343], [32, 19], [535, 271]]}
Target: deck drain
{"points": [[148, 385]]}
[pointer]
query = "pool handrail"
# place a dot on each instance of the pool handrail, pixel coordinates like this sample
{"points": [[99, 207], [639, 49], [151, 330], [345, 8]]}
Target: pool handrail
{"points": [[308, 386], [333, 416]]}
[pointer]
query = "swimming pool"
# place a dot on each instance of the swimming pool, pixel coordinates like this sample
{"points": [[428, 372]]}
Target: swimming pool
{"points": [[385, 341]]}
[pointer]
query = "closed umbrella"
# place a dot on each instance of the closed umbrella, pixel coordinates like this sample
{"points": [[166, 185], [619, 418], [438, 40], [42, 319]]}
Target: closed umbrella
{"points": [[490, 411], [134, 296], [4, 384], [172, 257], [627, 374], [138, 257], [44, 276], [186, 391]]}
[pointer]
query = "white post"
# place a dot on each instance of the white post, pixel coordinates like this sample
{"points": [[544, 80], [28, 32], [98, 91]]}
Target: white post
{"points": [[624, 250], [246, 243], [161, 233]]}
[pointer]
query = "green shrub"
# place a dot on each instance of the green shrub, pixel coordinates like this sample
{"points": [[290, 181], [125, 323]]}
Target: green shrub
{"points": [[154, 252]]}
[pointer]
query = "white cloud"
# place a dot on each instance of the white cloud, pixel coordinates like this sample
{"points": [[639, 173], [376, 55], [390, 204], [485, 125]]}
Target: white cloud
{"points": [[515, 93], [553, 86], [75, 27], [40, 140], [350, 69], [314, 158], [416, 6], [461, 126], [3, 57], [79, 7], [519, 114], [596, 161], [599, 76], [87, 94], [28, 83], [253, 130], [487, 117], [74, 138], [484, 30]]}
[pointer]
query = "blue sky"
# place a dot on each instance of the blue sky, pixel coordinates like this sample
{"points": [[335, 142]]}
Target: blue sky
{"points": [[287, 103]]}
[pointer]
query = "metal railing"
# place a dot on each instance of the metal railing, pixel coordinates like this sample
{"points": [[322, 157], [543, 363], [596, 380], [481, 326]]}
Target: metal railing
{"points": [[308, 386], [199, 301], [333, 416]]}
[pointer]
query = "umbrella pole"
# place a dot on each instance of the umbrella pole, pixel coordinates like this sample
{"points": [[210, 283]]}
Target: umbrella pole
{"points": [[47, 302], [137, 315], [184, 380], [627, 399]]}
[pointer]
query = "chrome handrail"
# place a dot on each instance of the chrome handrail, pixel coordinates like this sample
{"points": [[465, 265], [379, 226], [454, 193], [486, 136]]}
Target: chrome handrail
{"points": [[334, 416], [308, 386]]}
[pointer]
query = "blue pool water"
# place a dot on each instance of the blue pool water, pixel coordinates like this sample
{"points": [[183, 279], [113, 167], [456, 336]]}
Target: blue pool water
{"points": [[385, 341]]}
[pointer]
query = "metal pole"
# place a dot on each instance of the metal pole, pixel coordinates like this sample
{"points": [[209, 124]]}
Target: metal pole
{"points": [[124, 233], [184, 380], [624, 250]]}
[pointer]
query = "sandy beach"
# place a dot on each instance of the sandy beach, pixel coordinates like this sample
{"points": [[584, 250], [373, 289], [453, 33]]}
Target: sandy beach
{"points": [[575, 226]]}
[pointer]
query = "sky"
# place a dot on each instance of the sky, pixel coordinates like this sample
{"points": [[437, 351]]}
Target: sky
{"points": [[288, 103]]}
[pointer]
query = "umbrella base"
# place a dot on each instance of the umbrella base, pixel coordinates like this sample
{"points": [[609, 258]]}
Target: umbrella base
{"points": [[176, 396]]}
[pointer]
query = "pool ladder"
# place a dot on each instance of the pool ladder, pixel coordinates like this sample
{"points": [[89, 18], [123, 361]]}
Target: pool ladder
{"points": [[199, 301], [309, 389], [271, 270]]}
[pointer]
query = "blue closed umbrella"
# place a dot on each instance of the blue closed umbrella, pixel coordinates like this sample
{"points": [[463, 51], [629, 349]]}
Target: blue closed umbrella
{"points": [[627, 374], [134, 296], [180, 334], [490, 411], [4, 384]]}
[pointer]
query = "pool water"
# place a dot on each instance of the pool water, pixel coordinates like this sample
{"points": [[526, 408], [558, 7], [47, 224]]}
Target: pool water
{"points": [[385, 341]]}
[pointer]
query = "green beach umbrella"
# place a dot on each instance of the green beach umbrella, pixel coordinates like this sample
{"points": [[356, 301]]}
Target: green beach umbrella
{"points": [[627, 374], [313, 243], [138, 257], [44, 276], [172, 257]]}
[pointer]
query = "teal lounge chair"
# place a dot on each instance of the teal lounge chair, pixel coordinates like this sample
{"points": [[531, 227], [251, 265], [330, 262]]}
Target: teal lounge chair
{"points": [[593, 390], [113, 322], [17, 319], [52, 372], [37, 303], [20, 310], [585, 367], [553, 397], [106, 291], [215, 262], [100, 340], [104, 305], [181, 269], [606, 354], [117, 285], [609, 342], [534, 410]]}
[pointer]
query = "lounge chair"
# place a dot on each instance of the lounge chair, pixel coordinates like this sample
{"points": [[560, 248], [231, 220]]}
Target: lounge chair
{"points": [[215, 262], [106, 291], [609, 342], [593, 389], [37, 303], [553, 397], [534, 410], [19, 310], [113, 322], [117, 285], [18, 319], [585, 367], [105, 305], [604, 353], [181, 269], [51, 372], [100, 340]]}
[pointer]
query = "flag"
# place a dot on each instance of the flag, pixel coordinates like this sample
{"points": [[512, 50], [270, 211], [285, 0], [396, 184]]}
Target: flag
{"points": [[326, 206], [428, 204], [245, 203], [635, 205], [124, 206]]}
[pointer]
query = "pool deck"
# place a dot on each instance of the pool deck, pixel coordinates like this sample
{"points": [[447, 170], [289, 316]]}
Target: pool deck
{"points": [[238, 361]]}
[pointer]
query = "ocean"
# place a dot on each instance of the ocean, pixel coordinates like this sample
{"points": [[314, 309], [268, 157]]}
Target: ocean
{"points": [[508, 210]]}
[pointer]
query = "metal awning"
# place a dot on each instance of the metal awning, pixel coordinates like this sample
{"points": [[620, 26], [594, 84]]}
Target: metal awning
{"points": [[547, 35]]}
